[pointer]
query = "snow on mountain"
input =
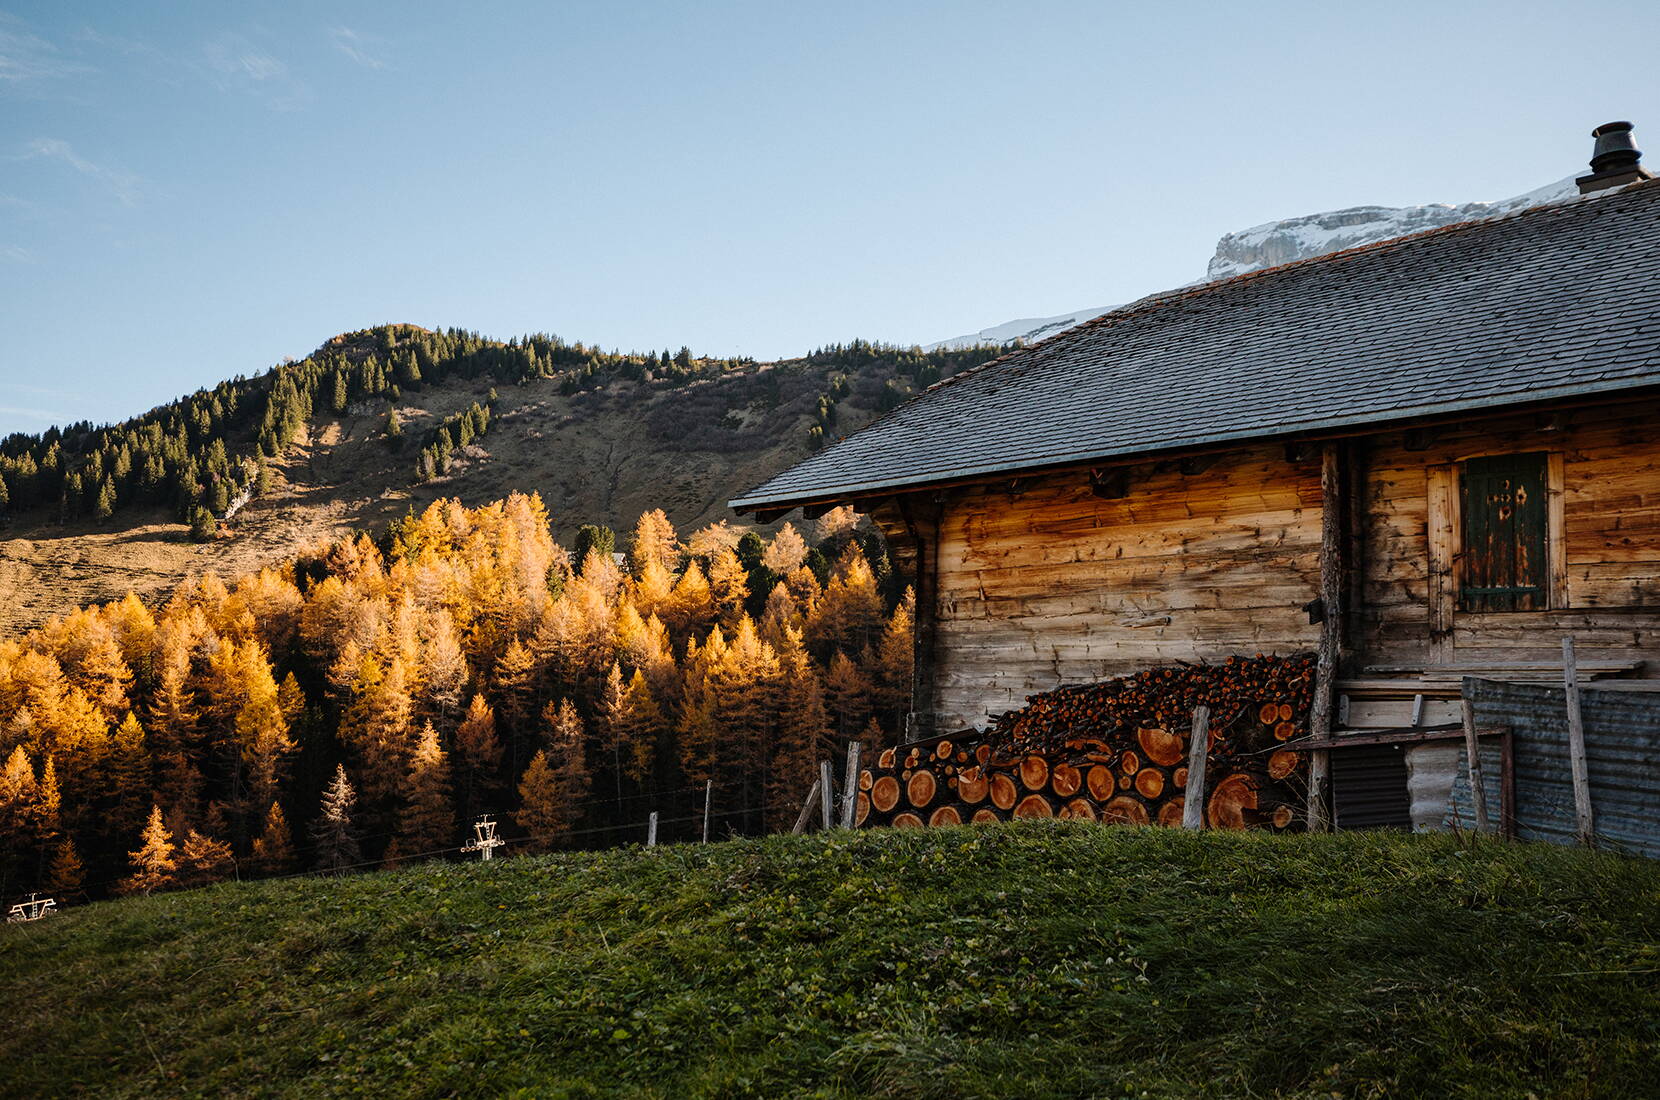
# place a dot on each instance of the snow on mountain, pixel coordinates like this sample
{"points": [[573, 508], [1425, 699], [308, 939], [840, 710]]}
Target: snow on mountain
{"points": [[1288, 240]]}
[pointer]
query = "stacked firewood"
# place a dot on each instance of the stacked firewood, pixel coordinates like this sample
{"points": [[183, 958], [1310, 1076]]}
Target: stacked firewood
{"points": [[1115, 751]]}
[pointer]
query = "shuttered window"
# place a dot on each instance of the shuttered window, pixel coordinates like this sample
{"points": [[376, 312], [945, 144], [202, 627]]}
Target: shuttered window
{"points": [[1502, 501]]}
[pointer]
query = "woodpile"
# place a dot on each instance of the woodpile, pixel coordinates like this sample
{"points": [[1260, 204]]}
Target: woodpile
{"points": [[1114, 752]]}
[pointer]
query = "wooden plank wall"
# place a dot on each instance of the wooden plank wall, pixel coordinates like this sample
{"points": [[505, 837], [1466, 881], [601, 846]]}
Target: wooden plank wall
{"points": [[1046, 584], [1606, 541]]}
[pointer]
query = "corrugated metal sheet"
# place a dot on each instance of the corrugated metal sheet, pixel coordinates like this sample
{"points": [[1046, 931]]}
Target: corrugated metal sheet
{"points": [[1622, 750], [1368, 788]]}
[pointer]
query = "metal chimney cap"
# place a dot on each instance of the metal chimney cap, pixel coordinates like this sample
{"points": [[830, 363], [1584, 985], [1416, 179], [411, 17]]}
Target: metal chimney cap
{"points": [[1616, 149], [1614, 160]]}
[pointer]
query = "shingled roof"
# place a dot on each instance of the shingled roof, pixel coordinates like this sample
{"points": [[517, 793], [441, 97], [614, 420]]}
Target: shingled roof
{"points": [[1551, 302]]}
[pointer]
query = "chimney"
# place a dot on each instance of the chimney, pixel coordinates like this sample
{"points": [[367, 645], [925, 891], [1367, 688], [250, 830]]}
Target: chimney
{"points": [[1614, 160]]}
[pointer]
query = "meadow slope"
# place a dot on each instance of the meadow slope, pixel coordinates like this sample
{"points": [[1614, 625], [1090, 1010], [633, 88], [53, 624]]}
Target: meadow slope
{"points": [[1043, 959]]}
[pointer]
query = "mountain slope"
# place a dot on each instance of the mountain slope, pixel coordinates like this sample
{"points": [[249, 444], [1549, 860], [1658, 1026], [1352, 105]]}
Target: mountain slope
{"points": [[1286, 241], [600, 446]]}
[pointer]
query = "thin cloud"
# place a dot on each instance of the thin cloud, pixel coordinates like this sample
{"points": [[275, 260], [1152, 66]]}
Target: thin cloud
{"points": [[235, 62], [45, 416], [233, 55], [17, 254], [123, 185], [26, 58], [360, 48]]}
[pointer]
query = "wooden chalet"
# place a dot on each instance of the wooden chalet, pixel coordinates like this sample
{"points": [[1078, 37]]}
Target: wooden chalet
{"points": [[1426, 458]]}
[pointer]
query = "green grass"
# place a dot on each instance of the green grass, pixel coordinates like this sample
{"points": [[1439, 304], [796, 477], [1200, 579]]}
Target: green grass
{"points": [[1033, 960]]}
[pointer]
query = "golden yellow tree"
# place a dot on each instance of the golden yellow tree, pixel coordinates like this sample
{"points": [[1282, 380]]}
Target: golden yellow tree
{"points": [[153, 861]]}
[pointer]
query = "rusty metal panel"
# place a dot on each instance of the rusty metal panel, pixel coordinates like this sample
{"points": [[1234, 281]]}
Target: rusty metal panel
{"points": [[1502, 502], [1369, 788], [1622, 749]]}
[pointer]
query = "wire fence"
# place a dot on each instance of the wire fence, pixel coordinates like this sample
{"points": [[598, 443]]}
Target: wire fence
{"points": [[563, 840]]}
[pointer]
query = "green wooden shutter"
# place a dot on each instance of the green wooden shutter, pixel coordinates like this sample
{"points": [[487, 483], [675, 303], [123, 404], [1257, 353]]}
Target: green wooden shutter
{"points": [[1503, 503]]}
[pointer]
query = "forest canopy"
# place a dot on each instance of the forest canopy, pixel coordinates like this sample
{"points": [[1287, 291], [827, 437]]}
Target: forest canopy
{"points": [[361, 704]]}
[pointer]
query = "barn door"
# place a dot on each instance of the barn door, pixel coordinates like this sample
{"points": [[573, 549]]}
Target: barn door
{"points": [[1503, 503]]}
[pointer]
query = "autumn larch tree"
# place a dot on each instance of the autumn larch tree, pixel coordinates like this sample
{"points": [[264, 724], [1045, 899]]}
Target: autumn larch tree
{"points": [[153, 861], [427, 824], [273, 851], [333, 833]]}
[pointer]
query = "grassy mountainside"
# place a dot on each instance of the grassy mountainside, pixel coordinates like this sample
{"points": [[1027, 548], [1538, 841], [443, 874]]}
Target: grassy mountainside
{"points": [[603, 437], [1043, 959]]}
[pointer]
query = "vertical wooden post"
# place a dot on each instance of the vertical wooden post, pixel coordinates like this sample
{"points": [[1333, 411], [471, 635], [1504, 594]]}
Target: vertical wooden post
{"points": [[850, 788], [826, 791], [1198, 753], [1331, 630], [1472, 750], [922, 523], [708, 796], [651, 830], [1576, 746], [1507, 783], [807, 809]]}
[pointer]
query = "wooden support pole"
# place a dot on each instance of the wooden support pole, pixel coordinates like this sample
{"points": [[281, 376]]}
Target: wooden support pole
{"points": [[1584, 826], [826, 791], [1507, 784], [921, 517], [708, 796], [807, 809], [1472, 752], [850, 789], [1198, 753], [651, 830], [1331, 630]]}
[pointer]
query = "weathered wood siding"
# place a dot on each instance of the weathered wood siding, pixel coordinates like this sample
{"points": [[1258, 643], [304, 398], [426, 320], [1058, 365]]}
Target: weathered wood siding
{"points": [[1048, 584], [1042, 583], [1605, 542]]}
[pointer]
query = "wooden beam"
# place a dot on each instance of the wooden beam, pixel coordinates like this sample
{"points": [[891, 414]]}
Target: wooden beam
{"points": [[1556, 533], [807, 808], [1355, 526], [1332, 511], [850, 791], [1472, 754], [1584, 826], [922, 523], [1443, 571], [1198, 754], [825, 792], [1392, 737]]}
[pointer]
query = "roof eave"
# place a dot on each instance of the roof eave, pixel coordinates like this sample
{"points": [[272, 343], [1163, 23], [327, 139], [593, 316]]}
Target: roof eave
{"points": [[851, 490]]}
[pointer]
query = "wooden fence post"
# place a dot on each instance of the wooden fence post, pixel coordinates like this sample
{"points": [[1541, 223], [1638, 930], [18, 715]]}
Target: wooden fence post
{"points": [[1584, 825], [651, 830], [1193, 808], [807, 809], [826, 791], [1472, 750], [850, 790]]}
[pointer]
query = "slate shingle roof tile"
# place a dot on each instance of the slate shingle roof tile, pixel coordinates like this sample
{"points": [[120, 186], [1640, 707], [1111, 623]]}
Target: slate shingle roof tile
{"points": [[1555, 300]]}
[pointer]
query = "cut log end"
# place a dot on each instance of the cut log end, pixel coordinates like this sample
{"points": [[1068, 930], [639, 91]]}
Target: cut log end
{"points": [[920, 788], [884, 793]]}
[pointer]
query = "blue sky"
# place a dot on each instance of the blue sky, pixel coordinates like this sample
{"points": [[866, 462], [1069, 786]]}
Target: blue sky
{"points": [[193, 191]]}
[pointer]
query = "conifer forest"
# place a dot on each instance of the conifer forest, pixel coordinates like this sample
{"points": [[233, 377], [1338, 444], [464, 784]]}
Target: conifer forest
{"points": [[362, 704]]}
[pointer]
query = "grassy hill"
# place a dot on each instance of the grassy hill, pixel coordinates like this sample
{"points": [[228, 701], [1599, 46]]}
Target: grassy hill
{"points": [[1050, 959], [602, 440]]}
